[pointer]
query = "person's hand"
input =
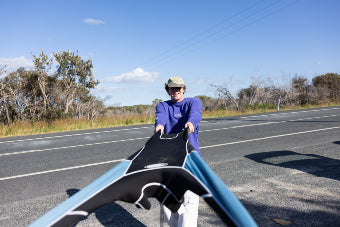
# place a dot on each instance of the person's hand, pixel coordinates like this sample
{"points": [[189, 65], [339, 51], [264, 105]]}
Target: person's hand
{"points": [[159, 127], [190, 126]]}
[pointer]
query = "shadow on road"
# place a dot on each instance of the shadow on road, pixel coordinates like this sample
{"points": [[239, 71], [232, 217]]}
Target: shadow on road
{"points": [[337, 142], [112, 214], [310, 163]]}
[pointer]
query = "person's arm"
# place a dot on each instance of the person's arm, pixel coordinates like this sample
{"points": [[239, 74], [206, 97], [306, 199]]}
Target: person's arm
{"points": [[195, 115], [160, 118], [159, 127]]}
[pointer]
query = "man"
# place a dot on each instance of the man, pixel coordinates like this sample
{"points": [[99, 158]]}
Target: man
{"points": [[172, 116]]}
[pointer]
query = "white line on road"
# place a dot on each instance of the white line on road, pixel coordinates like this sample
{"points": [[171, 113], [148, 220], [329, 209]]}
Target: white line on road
{"points": [[204, 147], [126, 140], [73, 146], [126, 129], [239, 126], [62, 169], [269, 137], [77, 134], [266, 123], [294, 112]]}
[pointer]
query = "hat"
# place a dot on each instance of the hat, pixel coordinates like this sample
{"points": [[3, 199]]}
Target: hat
{"points": [[175, 81]]}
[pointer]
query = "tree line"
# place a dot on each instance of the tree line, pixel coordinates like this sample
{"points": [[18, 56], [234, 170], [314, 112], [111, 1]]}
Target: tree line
{"points": [[261, 94], [46, 94], [59, 86], [265, 94]]}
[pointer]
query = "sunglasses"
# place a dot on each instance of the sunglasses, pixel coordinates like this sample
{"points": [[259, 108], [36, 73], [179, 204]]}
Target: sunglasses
{"points": [[175, 88]]}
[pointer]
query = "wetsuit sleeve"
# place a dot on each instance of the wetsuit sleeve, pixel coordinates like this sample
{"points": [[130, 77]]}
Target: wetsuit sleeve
{"points": [[195, 114], [161, 115]]}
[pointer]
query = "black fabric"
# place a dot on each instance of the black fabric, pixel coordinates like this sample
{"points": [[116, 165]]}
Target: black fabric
{"points": [[129, 189], [160, 161], [158, 168], [162, 149]]}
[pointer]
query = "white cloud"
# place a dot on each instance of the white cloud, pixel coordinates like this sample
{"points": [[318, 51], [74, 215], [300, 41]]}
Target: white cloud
{"points": [[93, 21], [16, 62], [102, 88], [137, 75]]}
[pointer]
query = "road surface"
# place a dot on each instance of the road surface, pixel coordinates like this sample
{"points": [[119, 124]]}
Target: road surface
{"points": [[283, 166]]}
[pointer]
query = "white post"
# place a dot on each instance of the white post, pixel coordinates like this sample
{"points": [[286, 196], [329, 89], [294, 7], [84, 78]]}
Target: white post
{"points": [[278, 105]]}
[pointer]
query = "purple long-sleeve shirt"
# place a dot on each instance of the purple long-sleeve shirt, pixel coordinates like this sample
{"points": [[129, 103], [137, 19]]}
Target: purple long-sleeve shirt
{"points": [[174, 115]]}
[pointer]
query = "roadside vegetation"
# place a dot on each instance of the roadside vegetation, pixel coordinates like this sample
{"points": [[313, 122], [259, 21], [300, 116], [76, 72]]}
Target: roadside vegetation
{"points": [[22, 128], [56, 96]]}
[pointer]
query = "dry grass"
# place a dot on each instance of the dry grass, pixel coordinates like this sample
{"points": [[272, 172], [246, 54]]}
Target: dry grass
{"points": [[225, 113], [22, 128]]}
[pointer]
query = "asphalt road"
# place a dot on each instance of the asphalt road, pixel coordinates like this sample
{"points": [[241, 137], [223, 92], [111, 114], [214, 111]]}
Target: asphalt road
{"points": [[284, 167]]}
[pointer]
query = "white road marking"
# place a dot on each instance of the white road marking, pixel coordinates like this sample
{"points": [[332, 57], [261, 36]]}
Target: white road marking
{"points": [[73, 146], [77, 134], [62, 169], [265, 123], [126, 140], [294, 112], [270, 137], [238, 126], [204, 147]]}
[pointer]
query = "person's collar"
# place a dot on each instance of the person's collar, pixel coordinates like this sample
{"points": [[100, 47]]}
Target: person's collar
{"points": [[177, 103]]}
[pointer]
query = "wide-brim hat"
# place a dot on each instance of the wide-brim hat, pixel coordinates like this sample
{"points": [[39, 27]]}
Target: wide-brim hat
{"points": [[175, 81]]}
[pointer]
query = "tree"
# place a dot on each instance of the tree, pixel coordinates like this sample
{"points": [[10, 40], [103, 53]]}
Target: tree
{"points": [[75, 75], [19, 93], [304, 90], [225, 94], [41, 94], [256, 93], [4, 102], [208, 103], [42, 66], [328, 86]]}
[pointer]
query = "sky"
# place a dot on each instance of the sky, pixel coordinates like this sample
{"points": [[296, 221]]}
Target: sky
{"points": [[136, 45]]}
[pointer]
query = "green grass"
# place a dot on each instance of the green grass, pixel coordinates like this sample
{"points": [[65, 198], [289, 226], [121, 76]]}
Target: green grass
{"points": [[23, 128]]}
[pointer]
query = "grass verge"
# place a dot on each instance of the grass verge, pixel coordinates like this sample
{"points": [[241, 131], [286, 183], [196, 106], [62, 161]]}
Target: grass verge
{"points": [[23, 128]]}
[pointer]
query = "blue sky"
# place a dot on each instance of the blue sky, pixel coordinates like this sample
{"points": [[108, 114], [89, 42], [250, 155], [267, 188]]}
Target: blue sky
{"points": [[136, 45]]}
